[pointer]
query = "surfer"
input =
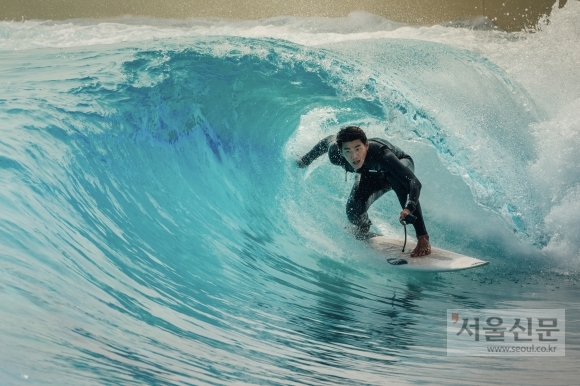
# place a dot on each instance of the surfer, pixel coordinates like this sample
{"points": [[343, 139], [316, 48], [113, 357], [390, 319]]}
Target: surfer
{"points": [[379, 166]]}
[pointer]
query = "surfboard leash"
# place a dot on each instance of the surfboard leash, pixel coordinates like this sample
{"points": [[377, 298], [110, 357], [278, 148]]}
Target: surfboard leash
{"points": [[409, 219], [404, 227]]}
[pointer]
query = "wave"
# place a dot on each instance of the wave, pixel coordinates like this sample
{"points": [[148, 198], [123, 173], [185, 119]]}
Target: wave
{"points": [[155, 225]]}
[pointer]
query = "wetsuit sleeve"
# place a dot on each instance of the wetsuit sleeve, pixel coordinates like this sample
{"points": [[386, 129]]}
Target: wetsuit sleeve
{"points": [[319, 149], [404, 175]]}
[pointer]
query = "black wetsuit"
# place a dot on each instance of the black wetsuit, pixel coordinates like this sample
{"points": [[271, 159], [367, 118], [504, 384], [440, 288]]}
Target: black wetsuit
{"points": [[385, 167]]}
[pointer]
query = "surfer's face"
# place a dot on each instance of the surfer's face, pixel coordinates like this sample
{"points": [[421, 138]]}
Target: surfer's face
{"points": [[355, 152]]}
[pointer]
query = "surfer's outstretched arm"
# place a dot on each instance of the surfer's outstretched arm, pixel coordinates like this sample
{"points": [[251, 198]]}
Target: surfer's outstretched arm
{"points": [[319, 149]]}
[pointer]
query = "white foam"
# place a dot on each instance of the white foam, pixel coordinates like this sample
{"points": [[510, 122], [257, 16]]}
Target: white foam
{"points": [[75, 33], [563, 224], [556, 176]]}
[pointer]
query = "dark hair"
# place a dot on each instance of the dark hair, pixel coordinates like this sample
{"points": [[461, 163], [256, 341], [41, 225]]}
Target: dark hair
{"points": [[349, 134]]}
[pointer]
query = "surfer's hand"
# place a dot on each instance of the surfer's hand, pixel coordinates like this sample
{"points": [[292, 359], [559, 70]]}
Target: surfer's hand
{"points": [[300, 163], [404, 214]]}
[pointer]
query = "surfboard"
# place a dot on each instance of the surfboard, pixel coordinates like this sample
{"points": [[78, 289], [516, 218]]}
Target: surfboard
{"points": [[440, 260]]}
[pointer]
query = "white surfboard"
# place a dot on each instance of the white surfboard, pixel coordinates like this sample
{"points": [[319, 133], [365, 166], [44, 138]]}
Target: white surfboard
{"points": [[440, 260]]}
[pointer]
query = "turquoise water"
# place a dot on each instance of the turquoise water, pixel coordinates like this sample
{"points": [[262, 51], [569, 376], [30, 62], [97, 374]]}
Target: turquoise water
{"points": [[154, 228]]}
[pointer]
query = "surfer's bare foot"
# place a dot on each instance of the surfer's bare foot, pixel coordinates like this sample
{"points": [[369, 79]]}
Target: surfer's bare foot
{"points": [[423, 247]]}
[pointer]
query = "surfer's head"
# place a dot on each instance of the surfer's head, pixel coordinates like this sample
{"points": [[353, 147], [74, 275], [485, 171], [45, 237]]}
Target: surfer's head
{"points": [[353, 144]]}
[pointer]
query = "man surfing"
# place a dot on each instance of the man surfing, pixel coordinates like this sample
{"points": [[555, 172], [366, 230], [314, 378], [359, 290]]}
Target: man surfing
{"points": [[379, 166]]}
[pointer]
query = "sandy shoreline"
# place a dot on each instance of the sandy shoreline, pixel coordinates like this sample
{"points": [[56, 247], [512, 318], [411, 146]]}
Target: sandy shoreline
{"points": [[508, 15]]}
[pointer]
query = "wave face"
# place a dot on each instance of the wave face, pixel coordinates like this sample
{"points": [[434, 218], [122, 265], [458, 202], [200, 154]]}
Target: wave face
{"points": [[155, 229]]}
